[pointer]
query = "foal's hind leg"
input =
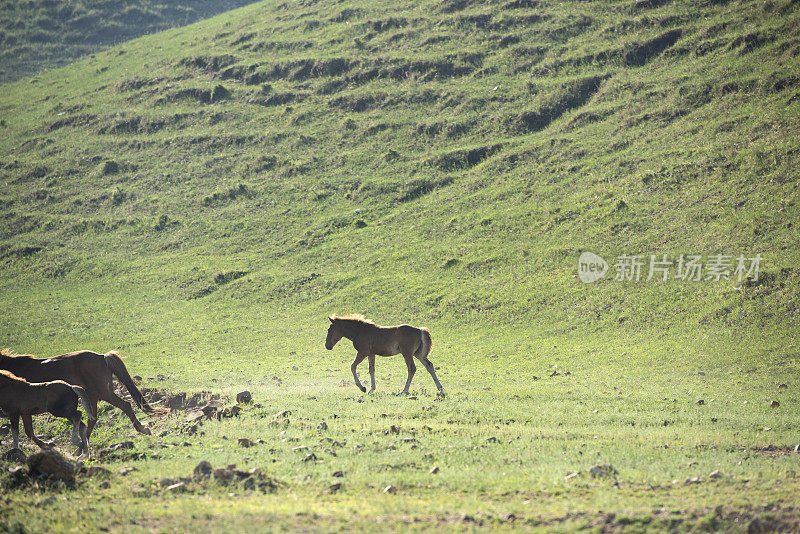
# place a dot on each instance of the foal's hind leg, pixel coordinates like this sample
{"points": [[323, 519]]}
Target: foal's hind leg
{"points": [[126, 407], [359, 358], [79, 438], [429, 366], [411, 370], [372, 372]]}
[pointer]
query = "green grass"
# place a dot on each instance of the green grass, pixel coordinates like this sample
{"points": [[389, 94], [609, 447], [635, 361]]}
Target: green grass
{"points": [[201, 199], [42, 34]]}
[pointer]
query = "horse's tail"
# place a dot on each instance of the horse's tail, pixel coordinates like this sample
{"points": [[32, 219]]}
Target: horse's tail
{"points": [[117, 367], [426, 345], [84, 398]]}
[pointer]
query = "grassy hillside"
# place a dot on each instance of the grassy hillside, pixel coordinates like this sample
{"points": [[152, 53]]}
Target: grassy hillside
{"points": [[202, 198], [39, 34], [481, 151]]}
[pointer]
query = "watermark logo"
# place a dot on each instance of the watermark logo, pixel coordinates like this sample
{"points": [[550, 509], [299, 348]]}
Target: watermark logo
{"points": [[591, 267], [691, 267]]}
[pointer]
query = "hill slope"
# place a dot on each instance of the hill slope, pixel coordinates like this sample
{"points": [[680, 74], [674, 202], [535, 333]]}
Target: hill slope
{"points": [[201, 199], [448, 168], [41, 34]]}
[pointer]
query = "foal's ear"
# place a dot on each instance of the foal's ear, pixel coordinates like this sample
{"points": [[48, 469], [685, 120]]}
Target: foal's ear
{"points": [[330, 318]]}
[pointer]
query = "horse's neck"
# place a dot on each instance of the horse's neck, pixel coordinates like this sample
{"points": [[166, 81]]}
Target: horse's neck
{"points": [[352, 330]]}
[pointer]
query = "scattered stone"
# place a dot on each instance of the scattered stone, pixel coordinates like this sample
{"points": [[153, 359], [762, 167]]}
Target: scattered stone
{"points": [[235, 411], [300, 448], [223, 475], [783, 386], [412, 397], [409, 440], [245, 442], [322, 426], [127, 470], [178, 487], [18, 474], [693, 480], [434, 470], [571, 476], [337, 474], [104, 485], [715, 474], [394, 429], [774, 404], [175, 402], [310, 457], [195, 417], [428, 456], [244, 397], [390, 489], [167, 482], [283, 414], [333, 488], [492, 439], [97, 470], [51, 464], [203, 470], [604, 470], [700, 402], [210, 411]]}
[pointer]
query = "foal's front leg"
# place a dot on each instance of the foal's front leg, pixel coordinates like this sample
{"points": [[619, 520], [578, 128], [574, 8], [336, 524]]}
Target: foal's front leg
{"points": [[14, 431], [359, 358], [27, 423]]}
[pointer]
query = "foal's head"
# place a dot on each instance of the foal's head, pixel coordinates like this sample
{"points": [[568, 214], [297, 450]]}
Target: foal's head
{"points": [[334, 333]]}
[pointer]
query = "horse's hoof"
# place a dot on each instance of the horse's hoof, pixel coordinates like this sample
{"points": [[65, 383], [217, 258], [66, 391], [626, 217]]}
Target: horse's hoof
{"points": [[363, 389]]}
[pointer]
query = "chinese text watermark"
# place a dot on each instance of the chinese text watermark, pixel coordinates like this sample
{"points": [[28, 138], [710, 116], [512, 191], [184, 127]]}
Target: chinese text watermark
{"points": [[662, 268]]}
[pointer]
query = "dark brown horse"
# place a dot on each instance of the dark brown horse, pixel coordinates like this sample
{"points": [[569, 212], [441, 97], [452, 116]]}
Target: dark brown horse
{"points": [[371, 340], [20, 398], [93, 372]]}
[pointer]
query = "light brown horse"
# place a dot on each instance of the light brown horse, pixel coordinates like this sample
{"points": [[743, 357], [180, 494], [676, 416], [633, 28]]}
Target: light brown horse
{"points": [[370, 340], [93, 372], [20, 398]]}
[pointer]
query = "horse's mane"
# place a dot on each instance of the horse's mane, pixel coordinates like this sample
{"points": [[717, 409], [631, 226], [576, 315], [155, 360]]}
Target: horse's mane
{"points": [[355, 317]]}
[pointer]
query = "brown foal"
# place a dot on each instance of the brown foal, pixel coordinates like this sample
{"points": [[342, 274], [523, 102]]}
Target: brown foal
{"points": [[371, 340]]}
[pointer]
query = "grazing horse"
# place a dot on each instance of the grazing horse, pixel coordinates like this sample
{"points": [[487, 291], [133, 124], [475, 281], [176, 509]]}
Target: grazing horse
{"points": [[93, 372], [18, 397], [370, 340]]}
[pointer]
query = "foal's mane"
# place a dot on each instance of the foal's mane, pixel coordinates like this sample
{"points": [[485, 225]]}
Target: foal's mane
{"points": [[11, 376], [354, 317], [6, 353]]}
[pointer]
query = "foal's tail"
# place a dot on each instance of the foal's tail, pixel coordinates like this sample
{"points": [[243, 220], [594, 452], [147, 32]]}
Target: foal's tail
{"points": [[117, 367], [84, 398], [426, 345]]}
